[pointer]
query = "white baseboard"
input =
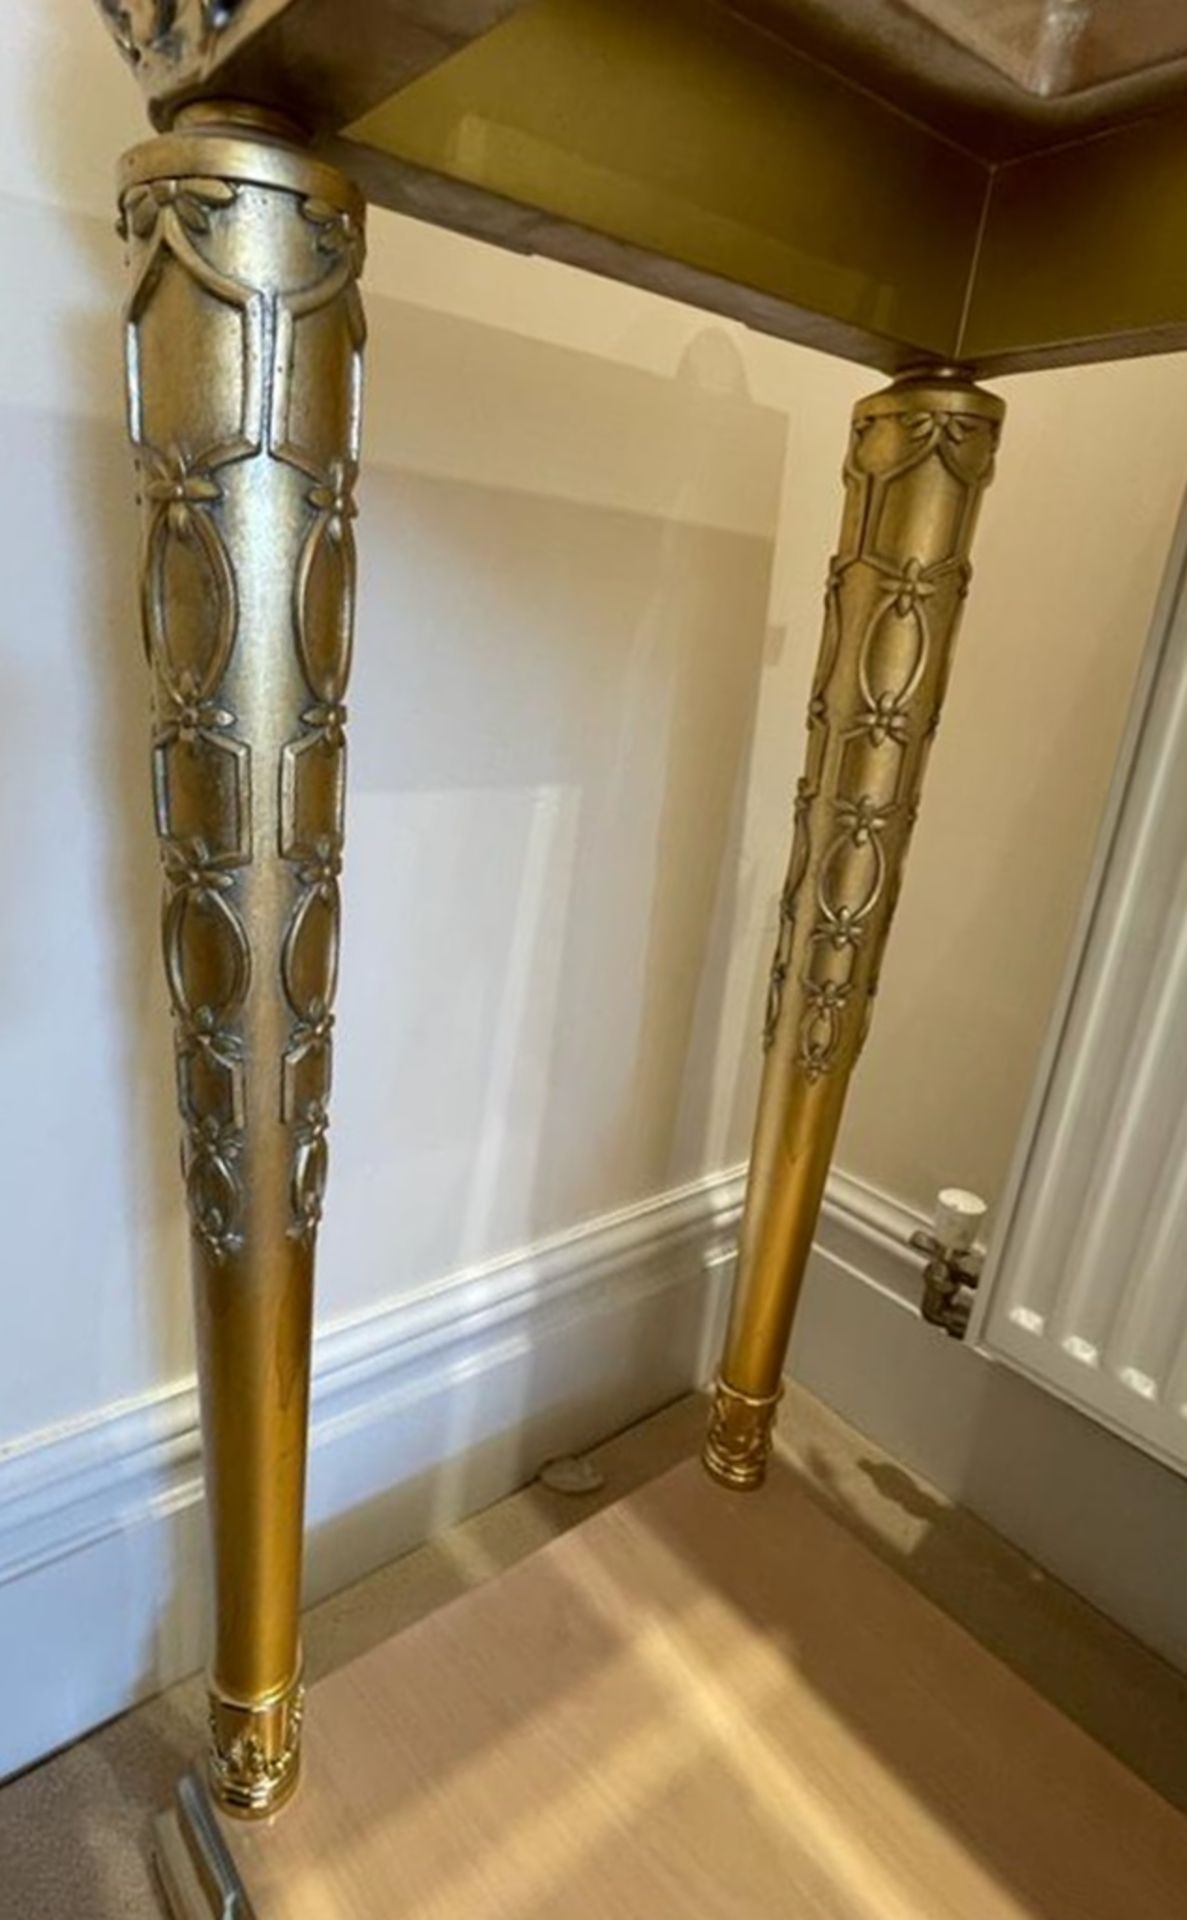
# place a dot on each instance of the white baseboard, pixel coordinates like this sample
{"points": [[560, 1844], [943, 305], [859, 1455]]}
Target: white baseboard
{"points": [[424, 1410], [437, 1404]]}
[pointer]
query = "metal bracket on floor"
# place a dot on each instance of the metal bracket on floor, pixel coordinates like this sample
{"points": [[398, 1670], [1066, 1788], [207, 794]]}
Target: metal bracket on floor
{"points": [[197, 1873]]}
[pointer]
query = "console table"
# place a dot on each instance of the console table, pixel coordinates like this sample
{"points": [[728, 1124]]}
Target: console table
{"points": [[944, 190]]}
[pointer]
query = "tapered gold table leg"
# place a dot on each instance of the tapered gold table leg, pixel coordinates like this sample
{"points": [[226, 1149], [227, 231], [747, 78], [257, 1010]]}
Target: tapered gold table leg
{"points": [[920, 456], [244, 336]]}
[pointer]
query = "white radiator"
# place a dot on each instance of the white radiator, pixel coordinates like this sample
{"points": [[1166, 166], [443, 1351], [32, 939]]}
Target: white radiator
{"points": [[1087, 1285]]}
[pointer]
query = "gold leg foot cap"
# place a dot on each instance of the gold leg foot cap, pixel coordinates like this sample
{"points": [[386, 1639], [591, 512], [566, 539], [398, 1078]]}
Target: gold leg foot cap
{"points": [[738, 1443], [254, 1759]]}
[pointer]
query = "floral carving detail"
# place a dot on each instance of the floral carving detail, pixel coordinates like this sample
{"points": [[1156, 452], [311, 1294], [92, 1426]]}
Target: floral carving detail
{"points": [[863, 817], [843, 928], [310, 1168], [180, 496], [200, 1035], [326, 573], [198, 894], [333, 496], [930, 426], [319, 875], [213, 1185], [910, 588], [820, 1029], [192, 200], [329, 718], [203, 1030], [316, 1031], [213, 1137], [178, 486], [314, 1124], [194, 715], [243, 1764], [338, 232], [192, 870], [965, 442], [910, 584], [884, 719]]}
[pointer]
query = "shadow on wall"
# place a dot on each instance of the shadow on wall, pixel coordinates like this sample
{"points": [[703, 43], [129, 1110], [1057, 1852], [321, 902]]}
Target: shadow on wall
{"points": [[565, 572], [565, 575]]}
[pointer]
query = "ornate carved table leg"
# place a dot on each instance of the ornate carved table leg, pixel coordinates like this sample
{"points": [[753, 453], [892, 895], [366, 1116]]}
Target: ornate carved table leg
{"points": [[244, 336], [920, 456]]}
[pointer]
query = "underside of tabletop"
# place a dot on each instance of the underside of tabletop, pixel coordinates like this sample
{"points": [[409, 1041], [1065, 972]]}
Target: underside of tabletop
{"points": [[890, 180]]}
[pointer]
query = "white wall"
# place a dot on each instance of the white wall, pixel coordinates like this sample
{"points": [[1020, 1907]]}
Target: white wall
{"points": [[594, 530], [566, 543]]}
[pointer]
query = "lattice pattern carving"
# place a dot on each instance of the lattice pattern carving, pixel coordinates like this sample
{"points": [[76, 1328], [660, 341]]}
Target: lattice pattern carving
{"points": [[891, 603], [257, 461], [920, 456]]}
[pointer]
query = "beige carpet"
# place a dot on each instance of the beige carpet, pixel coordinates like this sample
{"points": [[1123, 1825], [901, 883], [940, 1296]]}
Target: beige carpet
{"points": [[74, 1832]]}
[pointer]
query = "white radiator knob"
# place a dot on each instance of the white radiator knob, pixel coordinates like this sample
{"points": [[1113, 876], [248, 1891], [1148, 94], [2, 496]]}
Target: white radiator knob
{"points": [[958, 1219]]}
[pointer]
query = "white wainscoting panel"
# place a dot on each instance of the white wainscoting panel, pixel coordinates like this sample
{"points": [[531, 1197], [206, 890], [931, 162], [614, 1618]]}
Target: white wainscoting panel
{"points": [[1087, 1287]]}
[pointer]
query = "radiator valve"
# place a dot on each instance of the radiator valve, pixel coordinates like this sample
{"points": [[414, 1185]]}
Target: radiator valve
{"points": [[953, 1259]]}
